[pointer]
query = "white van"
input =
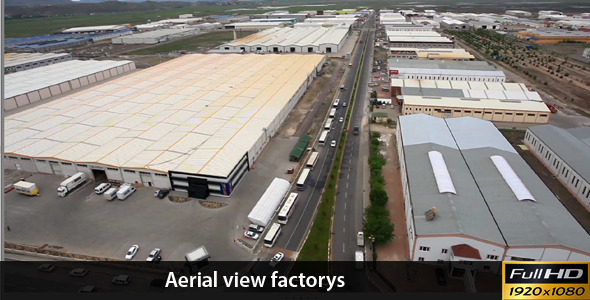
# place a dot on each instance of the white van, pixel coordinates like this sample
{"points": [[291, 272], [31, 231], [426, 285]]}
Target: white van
{"points": [[125, 191], [101, 188], [110, 194]]}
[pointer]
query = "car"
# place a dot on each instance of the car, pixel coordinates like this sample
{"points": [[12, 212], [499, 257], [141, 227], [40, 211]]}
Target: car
{"points": [[121, 280], [251, 235], [276, 259], [440, 277], [131, 252], [101, 188], [79, 272], [341, 120], [154, 256], [48, 268], [161, 193], [256, 228], [86, 289], [344, 104], [333, 143]]}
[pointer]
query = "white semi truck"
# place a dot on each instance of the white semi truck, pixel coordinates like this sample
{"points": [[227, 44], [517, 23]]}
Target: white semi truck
{"points": [[27, 188], [71, 184]]}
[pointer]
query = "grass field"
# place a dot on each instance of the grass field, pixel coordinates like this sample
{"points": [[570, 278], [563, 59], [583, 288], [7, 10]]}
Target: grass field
{"points": [[208, 40]]}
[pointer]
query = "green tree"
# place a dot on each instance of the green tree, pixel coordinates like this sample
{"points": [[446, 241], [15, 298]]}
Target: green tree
{"points": [[379, 225]]}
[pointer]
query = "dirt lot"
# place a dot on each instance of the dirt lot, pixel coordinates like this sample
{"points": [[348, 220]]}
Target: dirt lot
{"points": [[515, 137]]}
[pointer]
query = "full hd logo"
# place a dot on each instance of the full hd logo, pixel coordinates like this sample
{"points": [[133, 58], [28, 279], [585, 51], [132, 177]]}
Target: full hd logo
{"points": [[545, 280]]}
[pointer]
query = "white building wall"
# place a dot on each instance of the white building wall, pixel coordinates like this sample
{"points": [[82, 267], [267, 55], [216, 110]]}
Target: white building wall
{"points": [[68, 168], [579, 187], [553, 254], [114, 174], [131, 176], [527, 253], [161, 180], [439, 244], [574, 256], [43, 166]]}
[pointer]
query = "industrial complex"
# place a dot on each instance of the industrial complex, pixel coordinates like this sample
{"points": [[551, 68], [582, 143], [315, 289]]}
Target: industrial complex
{"points": [[485, 202], [194, 124]]}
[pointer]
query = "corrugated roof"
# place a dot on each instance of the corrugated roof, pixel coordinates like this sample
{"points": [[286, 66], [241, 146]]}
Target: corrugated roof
{"points": [[545, 222], [197, 114], [35, 79], [533, 106], [566, 144], [15, 59]]}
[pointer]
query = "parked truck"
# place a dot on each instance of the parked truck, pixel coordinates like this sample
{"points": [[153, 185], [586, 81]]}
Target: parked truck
{"points": [[70, 184], [359, 258], [27, 188], [360, 239]]}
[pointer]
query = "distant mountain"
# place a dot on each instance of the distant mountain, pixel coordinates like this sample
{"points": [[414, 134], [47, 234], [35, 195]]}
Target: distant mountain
{"points": [[56, 2]]}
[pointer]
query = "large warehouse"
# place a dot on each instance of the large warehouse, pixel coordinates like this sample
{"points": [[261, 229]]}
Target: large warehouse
{"points": [[292, 40], [404, 68], [15, 62], [469, 196], [26, 87], [195, 123], [431, 53], [566, 153]]}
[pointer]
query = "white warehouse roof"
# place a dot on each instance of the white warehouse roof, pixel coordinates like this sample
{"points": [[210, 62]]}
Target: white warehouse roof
{"points": [[30, 80], [190, 114]]}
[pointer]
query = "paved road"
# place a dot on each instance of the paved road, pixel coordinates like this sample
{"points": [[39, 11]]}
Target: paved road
{"points": [[349, 210]]}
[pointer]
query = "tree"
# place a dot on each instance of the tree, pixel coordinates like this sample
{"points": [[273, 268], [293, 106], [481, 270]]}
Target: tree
{"points": [[379, 225], [378, 196]]}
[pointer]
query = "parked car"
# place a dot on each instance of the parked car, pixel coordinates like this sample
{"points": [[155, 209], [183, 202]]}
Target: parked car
{"points": [[251, 235], [79, 272], [101, 188], [333, 143], [276, 259], [341, 120], [154, 256], [131, 252], [86, 289], [46, 268], [256, 228], [344, 104], [161, 193], [121, 280]]}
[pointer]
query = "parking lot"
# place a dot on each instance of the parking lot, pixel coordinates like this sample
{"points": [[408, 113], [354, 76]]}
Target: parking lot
{"points": [[86, 223]]}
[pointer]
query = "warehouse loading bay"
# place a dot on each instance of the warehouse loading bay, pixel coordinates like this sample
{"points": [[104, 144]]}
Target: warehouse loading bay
{"points": [[84, 224]]}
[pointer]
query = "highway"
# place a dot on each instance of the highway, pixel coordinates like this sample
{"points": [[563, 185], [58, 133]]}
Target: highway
{"points": [[348, 217]]}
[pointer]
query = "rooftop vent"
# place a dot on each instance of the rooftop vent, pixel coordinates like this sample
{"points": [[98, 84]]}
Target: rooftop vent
{"points": [[429, 214]]}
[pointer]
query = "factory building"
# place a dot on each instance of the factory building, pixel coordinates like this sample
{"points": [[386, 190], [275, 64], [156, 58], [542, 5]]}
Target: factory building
{"points": [[549, 36], [403, 68], [470, 197], [458, 54], [566, 153], [30, 86], [292, 40], [195, 124], [15, 62], [156, 36]]}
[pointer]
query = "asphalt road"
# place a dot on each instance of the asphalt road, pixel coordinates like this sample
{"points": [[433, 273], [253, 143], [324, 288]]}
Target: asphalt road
{"points": [[349, 210]]}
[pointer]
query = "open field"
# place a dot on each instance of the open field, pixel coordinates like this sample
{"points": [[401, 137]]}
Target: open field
{"points": [[207, 40]]}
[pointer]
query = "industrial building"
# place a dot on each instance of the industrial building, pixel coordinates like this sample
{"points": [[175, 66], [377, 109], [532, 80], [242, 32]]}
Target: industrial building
{"points": [[95, 29], [431, 54], [156, 36], [418, 39], [392, 18], [26, 87], [552, 35], [566, 153], [14, 62], [403, 68], [452, 24], [194, 124], [292, 40], [469, 196]]}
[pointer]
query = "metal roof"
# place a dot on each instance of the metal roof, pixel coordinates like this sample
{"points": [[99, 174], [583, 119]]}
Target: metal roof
{"points": [[15, 59], [482, 103], [490, 211], [35, 79], [568, 144], [301, 36], [198, 113], [470, 93], [396, 63]]}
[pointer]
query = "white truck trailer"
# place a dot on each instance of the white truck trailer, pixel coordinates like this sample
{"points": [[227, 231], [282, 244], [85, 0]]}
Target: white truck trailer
{"points": [[26, 188], [70, 184]]}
